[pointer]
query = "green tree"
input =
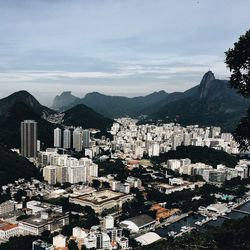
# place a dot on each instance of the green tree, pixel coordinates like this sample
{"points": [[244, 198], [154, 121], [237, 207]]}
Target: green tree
{"points": [[72, 245], [238, 62]]}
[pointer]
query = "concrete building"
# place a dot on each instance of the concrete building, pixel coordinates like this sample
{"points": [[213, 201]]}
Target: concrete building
{"points": [[8, 230], [77, 174], [29, 138], [41, 245], [86, 138], [37, 224], [59, 241], [108, 222], [66, 139], [49, 174], [99, 201], [138, 223], [57, 138], [7, 207], [77, 139]]}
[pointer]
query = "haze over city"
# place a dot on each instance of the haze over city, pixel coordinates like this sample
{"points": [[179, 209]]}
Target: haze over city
{"points": [[114, 47]]}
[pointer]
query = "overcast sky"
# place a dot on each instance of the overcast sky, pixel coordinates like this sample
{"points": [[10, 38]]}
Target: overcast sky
{"points": [[119, 47]]}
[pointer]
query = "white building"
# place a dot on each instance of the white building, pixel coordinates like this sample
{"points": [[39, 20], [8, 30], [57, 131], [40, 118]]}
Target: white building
{"points": [[49, 174], [59, 241], [77, 139], [77, 174], [108, 222], [57, 138], [66, 139]]}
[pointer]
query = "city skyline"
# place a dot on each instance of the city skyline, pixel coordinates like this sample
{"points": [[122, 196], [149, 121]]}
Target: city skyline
{"points": [[114, 47]]}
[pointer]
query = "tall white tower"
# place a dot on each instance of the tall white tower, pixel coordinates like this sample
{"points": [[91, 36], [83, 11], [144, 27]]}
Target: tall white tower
{"points": [[57, 138], [66, 139]]}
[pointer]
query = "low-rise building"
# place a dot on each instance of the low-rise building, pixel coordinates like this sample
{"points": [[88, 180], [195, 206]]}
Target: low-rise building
{"points": [[37, 224], [137, 223], [99, 201]]}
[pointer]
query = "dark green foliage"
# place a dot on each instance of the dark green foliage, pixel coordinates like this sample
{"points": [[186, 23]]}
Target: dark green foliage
{"points": [[72, 245], [13, 166], [198, 154], [242, 132], [19, 243], [238, 61], [96, 184], [86, 117]]}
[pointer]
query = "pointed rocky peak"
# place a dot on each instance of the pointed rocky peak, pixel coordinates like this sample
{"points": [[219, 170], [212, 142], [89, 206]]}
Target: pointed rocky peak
{"points": [[205, 83]]}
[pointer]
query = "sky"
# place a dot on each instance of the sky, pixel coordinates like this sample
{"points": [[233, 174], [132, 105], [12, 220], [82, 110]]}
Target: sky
{"points": [[115, 47]]}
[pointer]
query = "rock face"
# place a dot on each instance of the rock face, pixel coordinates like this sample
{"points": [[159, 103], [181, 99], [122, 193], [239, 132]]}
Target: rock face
{"points": [[211, 103], [64, 100], [205, 84]]}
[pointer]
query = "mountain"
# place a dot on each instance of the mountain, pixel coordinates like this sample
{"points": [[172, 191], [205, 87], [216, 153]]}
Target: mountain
{"points": [[81, 115], [23, 106], [13, 166], [64, 100], [113, 106], [212, 102]]}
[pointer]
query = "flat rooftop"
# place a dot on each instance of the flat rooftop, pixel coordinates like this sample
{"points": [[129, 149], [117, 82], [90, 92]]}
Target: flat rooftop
{"points": [[101, 196]]}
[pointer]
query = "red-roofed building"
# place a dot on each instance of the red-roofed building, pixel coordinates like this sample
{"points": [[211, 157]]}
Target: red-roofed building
{"points": [[8, 230]]}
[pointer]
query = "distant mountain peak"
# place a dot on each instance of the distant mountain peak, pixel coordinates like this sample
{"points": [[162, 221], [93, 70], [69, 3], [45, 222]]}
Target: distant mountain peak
{"points": [[64, 99], [205, 83]]}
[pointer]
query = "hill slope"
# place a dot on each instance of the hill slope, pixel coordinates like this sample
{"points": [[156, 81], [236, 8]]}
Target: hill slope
{"points": [[13, 166], [210, 103], [81, 115], [18, 107], [113, 106]]}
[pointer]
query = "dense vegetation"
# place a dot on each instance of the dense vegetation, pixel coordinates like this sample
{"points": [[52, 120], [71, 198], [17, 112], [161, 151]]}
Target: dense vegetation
{"points": [[198, 154], [238, 61], [232, 235], [13, 166], [86, 117]]}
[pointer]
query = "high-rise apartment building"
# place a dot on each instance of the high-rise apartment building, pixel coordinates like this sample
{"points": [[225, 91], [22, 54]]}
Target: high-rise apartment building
{"points": [[77, 139], [86, 138], [57, 138], [66, 139], [29, 138], [49, 174]]}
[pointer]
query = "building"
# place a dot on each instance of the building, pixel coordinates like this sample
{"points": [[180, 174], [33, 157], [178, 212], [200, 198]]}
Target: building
{"points": [[37, 224], [38, 206], [108, 222], [29, 138], [99, 201], [41, 245], [86, 138], [77, 139], [7, 207], [49, 174], [59, 241], [66, 139], [218, 208], [148, 238], [77, 174], [138, 223], [57, 138], [8, 230], [61, 174]]}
